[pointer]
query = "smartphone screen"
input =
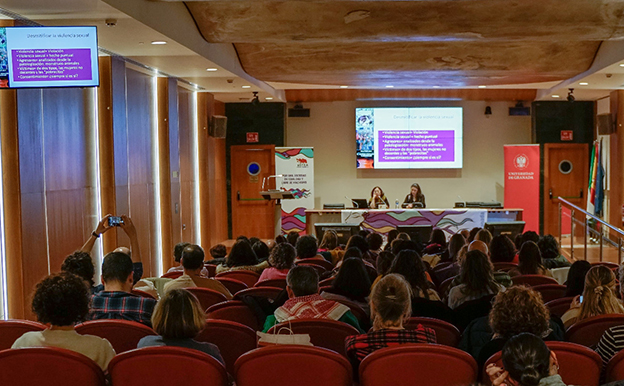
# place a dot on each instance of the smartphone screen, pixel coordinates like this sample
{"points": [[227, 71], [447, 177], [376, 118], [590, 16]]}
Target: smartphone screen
{"points": [[581, 299], [114, 221]]}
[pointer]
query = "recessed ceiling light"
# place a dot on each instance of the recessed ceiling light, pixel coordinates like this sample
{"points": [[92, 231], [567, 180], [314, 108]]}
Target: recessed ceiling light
{"points": [[436, 86], [246, 86], [583, 83], [621, 64], [269, 98], [159, 42], [389, 86], [344, 86], [555, 96], [482, 86], [211, 69]]}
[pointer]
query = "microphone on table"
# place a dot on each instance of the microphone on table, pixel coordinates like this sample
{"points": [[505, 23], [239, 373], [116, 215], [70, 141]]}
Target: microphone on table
{"points": [[355, 204]]}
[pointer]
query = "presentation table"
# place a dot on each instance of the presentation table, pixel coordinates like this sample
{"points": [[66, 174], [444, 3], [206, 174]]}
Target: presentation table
{"points": [[384, 220]]}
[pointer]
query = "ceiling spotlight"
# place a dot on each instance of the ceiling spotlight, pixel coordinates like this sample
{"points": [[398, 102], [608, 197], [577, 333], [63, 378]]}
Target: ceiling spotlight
{"points": [[211, 69], [621, 64], [389, 86], [159, 42], [583, 83], [436, 86], [570, 95], [482, 86], [555, 96], [344, 86], [488, 111], [255, 100], [246, 86], [269, 98]]}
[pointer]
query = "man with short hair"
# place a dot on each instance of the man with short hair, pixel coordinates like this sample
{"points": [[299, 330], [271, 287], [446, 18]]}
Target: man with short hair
{"points": [[117, 301], [177, 256], [192, 262], [305, 302]]}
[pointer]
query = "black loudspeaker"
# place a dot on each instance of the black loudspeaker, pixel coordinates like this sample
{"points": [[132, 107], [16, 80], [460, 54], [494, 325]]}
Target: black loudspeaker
{"points": [[563, 122], [299, 113], [605, 123], [218, 126]]}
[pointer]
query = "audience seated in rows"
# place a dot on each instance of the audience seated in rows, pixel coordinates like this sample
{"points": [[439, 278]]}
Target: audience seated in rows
{"points": [[523, 238], [530, 261], [359, 242], [409, 264], [116, 301], [390, 305], [177, 319], [527, 361], [177, 256], [551, 255], [305, 302], [476, 280], [351, 283], [193, 263], [261, 249], [242, 257], [502, 249], [576, 278], [281, 260], [307, 249], [61, 301], [383, 263], [599, 297]]}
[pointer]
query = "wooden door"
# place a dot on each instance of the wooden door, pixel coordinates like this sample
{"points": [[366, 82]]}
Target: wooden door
{"points": [[566, 173], [251, 214]]}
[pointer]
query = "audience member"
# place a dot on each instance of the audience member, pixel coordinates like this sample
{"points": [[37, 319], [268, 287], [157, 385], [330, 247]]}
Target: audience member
{"points": [[449, 268], [392, 235], [599, 297], [281, 259], [261, 250], [177, 255], [292, 237], [218, 254], [390, 305], [465, 233], [576, 278], [60, 301], [484, 235], [384, 263], [177, 320], [611, 342], [351, 283], [409, 264], [476, 280], [375, 241], [472, 234], [270, 243], [280, 239], [502, 249], [305, 302], [551, 254], [519, 241], [436, 244], [253, 240], [530, 261], [329, 242], [360, 243], [193, 262], [307, 248], [116, 301], [527, 361], [80, 264], [242, 257]]}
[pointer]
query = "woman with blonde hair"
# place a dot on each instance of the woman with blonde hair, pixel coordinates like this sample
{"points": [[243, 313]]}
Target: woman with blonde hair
{"points": [[390, 304], [599, 297], [329, 242], [177, 319]]}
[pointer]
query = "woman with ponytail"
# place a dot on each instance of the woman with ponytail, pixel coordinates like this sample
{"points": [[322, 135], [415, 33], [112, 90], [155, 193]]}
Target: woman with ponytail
{"points": [[390, 304], [527, 361], [599, 297]]}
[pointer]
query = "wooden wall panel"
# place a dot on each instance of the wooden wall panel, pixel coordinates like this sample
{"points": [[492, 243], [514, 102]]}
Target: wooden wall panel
{"points": [[164, 169], [617, 160], [217, 183], [174, 170], [186, 166]]}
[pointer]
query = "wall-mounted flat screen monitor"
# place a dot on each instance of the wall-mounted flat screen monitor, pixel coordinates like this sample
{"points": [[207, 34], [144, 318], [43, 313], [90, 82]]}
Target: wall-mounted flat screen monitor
{"points": [[343, 231], [507, 228], [409, 137], [48, 57]]}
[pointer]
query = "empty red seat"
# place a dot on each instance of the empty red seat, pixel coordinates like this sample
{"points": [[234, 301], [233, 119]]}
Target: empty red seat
{"points": [[551, 291], [233, 339], [287, 365], [235, 311], [10, 330], [446, 333], [232, 285], [207, 297], [49, 366], [166, 366], [278, 283], [504, 266], [588, 331], [172, 275], [559, 306], [212, 269], [123, 335], [143, 293], [325, 333], [261, 292], [250, 278], [615, 368], [533, 280], [418, 364]]}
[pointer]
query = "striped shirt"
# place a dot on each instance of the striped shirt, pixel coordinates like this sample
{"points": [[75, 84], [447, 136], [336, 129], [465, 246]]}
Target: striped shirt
{"points": [[610, 343], [359, 346]]}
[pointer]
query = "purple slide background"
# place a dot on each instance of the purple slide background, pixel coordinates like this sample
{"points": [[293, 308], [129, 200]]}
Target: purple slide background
{"points": [[416, 145], [43, 64]]}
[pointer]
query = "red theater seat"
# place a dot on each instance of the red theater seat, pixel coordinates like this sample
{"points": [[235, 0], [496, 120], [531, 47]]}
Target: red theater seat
{"points": [[504, 266], [49, 366], [446, 333], [278, 283], [324, 333], [123, 335], [615, 368], [233, 339], [319, 269], [588, 331], [260, 292], [248, 277], [551, 291], [559, 306], [321, 263], [292, 365], [232, 285], [235, 311], [206, 296], [172, 275], [166, 366], [143, 293], [418, 365], [533, 280], [212, 269], [10, 330]]}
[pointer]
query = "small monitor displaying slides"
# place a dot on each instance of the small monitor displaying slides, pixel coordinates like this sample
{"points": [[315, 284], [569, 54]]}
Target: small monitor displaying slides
{"points": [[409, 137]]}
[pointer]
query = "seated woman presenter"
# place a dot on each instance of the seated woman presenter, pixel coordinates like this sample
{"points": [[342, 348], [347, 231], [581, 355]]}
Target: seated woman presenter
{"points": [[414, 197], [378, 198]]}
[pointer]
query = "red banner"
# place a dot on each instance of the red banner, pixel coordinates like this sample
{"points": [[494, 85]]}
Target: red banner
{"points": [[522, 174]]}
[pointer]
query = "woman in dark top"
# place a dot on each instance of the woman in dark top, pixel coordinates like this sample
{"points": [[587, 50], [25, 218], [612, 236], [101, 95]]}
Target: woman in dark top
{"points": [[551, 255], [351, 283], [177, 319], [502, 249], [576, 278], [415, 195], [436, 244]]}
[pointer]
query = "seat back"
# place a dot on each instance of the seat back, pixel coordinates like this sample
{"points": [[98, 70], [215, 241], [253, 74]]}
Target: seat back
{"points": [[123, 335], [235, 311], [533, 280], [321, 263], [250, 278], [166, 366], [10, 330], [446, 333], [551, 291], [212, 269], [49, 366], [325, 333], [232, 285], [143, 293], [172, 275], [233, 339], [615, 368], [578, 365], [260, 292], [418, 364], [287, 365], [612, 266], [559, 306], [207, 297], [444, 287], [319, 269], [357, 311], [327, 282], [588, 331], [471, 310], [278, 283], [504, 266]]}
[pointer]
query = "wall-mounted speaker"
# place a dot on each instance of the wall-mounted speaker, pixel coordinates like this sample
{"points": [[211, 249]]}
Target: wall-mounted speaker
{"points": [[218, 126], [606, 125]]}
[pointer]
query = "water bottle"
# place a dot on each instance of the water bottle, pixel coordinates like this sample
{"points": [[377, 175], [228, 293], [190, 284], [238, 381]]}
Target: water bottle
{"points": [[396, 203]]}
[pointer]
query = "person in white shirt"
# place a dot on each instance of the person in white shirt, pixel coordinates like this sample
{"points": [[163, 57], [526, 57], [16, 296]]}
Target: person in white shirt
{"points": [[61, 301]]}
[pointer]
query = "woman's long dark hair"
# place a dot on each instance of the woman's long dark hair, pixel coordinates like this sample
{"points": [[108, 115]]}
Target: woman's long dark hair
{"points": [[502, 249], [530, 259], [241, 254], [352, 280], [455, 245], [409, 264], [419, 195], [380, 190], [576, 278], [476, 274], [527, 359], [437, 237]]}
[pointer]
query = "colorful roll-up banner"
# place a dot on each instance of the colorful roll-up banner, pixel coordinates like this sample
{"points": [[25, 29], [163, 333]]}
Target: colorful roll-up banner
{"points": [[296, 165], [522, 182]]}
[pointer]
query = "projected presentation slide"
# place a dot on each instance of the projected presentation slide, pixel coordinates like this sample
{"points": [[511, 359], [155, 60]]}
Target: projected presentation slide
{"points": [[48, 57], [409, 138]]}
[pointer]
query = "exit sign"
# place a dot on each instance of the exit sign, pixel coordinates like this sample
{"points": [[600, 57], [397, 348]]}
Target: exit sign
{"points": [[567, 135], [253, 137]]}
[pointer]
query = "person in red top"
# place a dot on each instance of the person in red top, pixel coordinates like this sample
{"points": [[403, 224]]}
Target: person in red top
{"points": [[390, 304], [281, 259]]}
